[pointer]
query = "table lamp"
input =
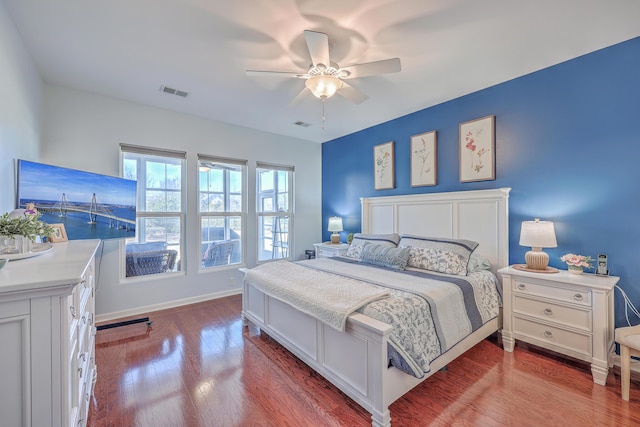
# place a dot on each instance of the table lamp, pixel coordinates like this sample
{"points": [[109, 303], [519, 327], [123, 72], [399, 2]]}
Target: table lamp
{"points": [[335, 225], [537, 234]]}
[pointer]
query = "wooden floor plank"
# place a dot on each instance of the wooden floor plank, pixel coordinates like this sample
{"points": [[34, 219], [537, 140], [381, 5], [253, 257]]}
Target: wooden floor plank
{"points": [[196, 366]]}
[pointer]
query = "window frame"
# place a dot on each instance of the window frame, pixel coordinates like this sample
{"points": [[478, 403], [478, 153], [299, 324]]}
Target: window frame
{"points": [[227, 214], [142, 155], [276, 212]]}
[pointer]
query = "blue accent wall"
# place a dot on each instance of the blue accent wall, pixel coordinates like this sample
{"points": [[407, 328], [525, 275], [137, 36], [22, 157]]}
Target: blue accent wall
{"points": [[567, 143]]}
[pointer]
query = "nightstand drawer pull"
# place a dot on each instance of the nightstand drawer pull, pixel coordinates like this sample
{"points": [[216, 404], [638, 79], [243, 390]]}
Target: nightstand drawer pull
{"points": [[578, 297], [73, 311], [548, 311], [521, 286], [548, 334]]}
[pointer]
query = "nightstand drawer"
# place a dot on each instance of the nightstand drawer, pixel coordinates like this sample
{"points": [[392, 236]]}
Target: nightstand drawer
{"points": [[580, 297], [328, 250], [569, 316], [572, 341]]}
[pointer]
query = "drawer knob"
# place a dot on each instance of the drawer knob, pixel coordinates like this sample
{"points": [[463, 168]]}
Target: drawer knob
{"points": [[521, 286], [548, 311], [548, 334], [82, 356], [578, 297], [73, 311], [80, 372]]}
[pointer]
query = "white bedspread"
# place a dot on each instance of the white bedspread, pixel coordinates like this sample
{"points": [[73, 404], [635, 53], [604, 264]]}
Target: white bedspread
{"points": [[326, 296]]}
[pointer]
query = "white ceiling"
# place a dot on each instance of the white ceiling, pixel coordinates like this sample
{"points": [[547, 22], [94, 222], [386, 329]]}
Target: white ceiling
{"points": [[130, 48]]}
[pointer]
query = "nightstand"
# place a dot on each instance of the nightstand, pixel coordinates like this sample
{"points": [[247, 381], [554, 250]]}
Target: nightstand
{"points": [[571, 314], [328, 249]]}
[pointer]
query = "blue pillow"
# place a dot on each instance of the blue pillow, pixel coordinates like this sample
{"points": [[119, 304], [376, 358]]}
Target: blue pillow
{"points": [[385, 256]]}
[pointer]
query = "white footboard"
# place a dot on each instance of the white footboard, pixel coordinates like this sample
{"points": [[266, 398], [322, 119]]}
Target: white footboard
{"points": [[354, 361]]}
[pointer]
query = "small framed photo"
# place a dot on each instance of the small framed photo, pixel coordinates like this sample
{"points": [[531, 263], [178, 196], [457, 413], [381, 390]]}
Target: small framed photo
{"points": [[383, 166], [423, 159], [477, 150], [59, 233]]}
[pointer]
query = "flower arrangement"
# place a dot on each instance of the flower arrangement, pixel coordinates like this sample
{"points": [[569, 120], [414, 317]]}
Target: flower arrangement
{"points": [[28, 224], [577, 260]]}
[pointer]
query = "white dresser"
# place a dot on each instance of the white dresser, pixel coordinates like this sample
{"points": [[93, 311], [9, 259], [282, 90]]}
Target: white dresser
{"points": [[571, 314], [47, 330]]}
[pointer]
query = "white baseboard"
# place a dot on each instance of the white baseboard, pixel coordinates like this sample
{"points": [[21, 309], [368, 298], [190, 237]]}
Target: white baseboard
{"points": [[170, 304]]}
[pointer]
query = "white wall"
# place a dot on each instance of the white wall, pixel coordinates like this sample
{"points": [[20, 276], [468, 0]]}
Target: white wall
{"points": [[20, 108], [83, 131]]}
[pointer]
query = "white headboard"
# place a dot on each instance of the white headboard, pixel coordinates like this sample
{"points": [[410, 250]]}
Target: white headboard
{"points": [[478, 215]]}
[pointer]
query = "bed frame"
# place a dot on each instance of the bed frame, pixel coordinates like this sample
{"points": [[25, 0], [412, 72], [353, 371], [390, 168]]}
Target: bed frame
{"points": [[355, 360]]}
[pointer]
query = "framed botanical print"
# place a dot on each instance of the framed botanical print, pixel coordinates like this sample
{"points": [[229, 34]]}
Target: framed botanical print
{"points": [[477, 150], [423, 159], [383, 166]]}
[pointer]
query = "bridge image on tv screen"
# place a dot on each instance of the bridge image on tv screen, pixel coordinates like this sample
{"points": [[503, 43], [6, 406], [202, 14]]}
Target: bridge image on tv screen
{"points": [[90, 205]]}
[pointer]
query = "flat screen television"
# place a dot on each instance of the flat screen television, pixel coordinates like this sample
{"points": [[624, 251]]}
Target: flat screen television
{"points": [[90, 205]]}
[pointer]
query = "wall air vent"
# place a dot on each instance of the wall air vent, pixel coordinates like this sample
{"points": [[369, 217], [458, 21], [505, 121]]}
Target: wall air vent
{"points": [[173, 91], [303, 124]]}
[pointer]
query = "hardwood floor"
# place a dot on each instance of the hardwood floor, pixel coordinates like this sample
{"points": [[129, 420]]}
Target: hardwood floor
{"points": [[198, 366]]}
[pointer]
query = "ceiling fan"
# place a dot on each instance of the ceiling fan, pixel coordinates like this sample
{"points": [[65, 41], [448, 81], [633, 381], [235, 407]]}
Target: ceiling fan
{"points": [[325, 78]]}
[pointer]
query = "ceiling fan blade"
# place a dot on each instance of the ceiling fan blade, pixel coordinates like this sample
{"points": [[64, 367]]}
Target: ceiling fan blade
{"points": [[300, 96], [351, 93], [371, 68], [318, 44], [276, 74]]}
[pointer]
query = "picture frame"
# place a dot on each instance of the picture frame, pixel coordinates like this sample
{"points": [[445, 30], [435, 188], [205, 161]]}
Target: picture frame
{"points": [[383, 166], [477, 150], [423, 159], [59, 233]]}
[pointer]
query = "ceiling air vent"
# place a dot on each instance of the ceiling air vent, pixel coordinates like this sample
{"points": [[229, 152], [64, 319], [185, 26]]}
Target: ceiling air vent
{"points": [[172, 91], [303, 124]]}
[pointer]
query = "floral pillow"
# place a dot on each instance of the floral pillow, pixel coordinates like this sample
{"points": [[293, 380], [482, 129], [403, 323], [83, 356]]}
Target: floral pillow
{"points": [[355, 249], [449, 256]]}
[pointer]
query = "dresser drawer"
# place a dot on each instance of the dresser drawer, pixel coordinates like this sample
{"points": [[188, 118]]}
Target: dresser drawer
{"points": [[581, 297], [579, 318], [569, 340]]}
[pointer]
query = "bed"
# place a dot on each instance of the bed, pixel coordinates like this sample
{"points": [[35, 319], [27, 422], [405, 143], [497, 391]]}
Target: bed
{"points": [[355, 358]]}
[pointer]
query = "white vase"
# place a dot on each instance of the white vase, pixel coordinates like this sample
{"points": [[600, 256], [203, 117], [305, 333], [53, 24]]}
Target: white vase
{"points": [[575, 269], [15, 244]]}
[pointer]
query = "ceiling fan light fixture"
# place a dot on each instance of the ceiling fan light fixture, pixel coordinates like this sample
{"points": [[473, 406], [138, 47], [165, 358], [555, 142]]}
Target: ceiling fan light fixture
{"points": [[323, 86]]}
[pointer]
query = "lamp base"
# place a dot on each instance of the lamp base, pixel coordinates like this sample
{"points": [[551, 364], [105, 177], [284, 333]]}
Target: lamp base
{"points": [[536, 260], [335, 238]]}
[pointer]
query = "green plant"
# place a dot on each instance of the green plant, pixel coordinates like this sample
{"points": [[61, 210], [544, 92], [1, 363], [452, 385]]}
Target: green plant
{"points": [[349, 238], [27, 225]]}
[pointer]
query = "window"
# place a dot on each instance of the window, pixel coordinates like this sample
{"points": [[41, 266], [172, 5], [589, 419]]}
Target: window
{"points": [[275, 211], [222, 211], [158, 244]]}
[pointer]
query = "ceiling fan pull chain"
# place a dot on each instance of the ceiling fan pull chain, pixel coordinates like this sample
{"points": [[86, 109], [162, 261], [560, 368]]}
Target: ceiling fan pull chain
{"points": [[323, 99]]}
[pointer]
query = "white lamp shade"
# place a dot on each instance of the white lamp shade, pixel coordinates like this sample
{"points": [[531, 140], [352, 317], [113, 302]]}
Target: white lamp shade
{"points": [[335, 224], [538, 234]]}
